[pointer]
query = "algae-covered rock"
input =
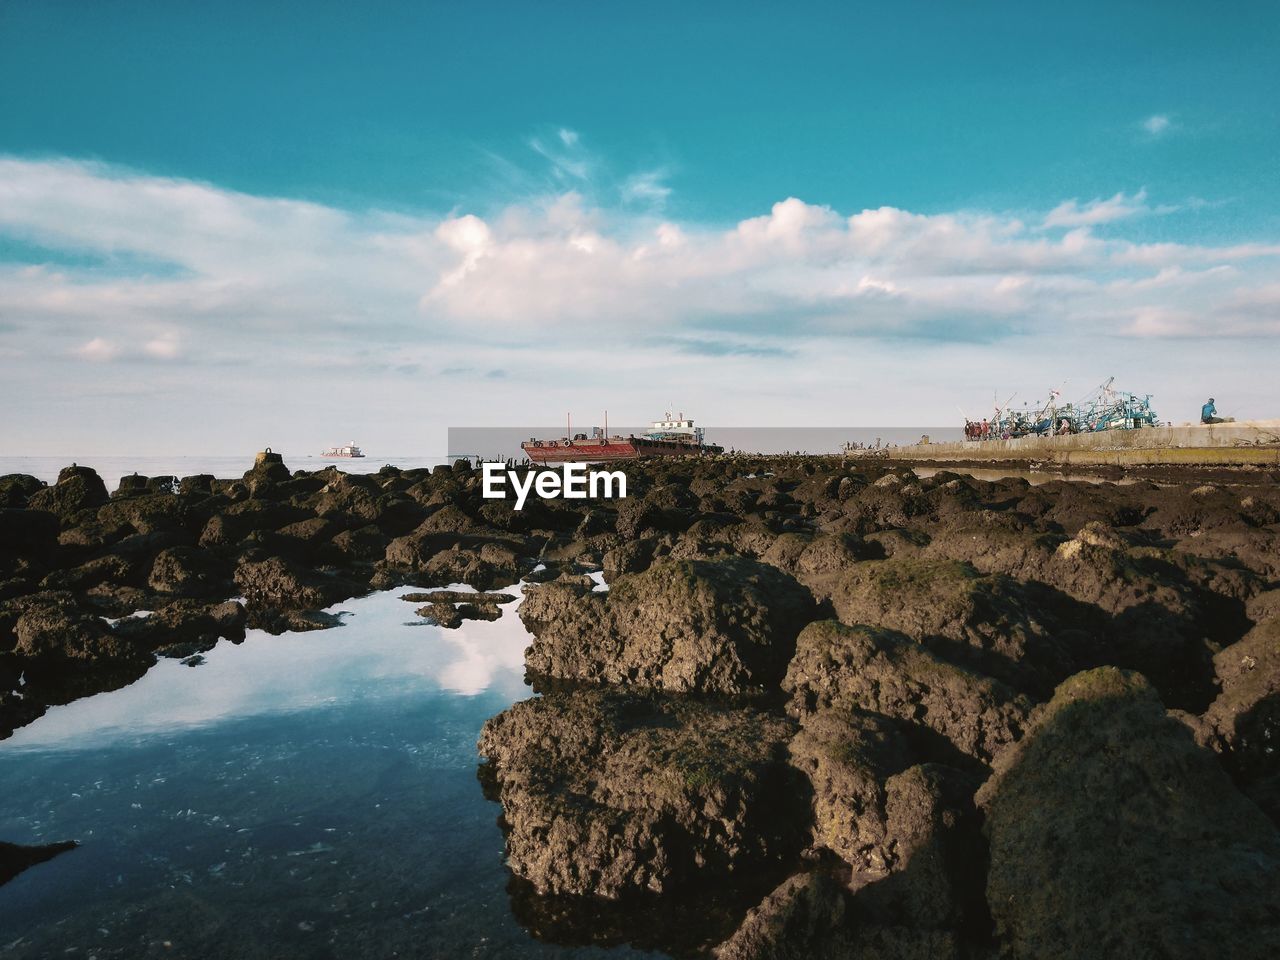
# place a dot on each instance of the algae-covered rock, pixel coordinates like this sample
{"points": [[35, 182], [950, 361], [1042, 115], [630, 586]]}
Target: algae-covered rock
{"points": [[952, 710], [1112, 834], [713, 626], [606, 793], [990, 622]]}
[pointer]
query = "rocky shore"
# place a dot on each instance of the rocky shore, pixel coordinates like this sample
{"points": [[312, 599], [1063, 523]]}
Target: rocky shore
{"points": [[822, 710]]}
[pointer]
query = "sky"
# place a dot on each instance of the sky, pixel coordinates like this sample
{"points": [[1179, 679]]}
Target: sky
{"points": [[226, 226]]}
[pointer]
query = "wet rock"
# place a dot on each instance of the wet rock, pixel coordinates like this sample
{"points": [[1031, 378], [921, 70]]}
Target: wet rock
{"points": [[78, 489], [15, 858], [448, 608], [803, 918], [451, 615], [54, 639], [632, 556], [363, 543], [184, 625], [280, 583], [130, 486], [109, 569], [190, 572], [1113, 834], [239, 520], [611, 794], [712, 626], [1245, 717], [952, 712], [276, 621], [492, 565], [200, 483], [17, 488]]}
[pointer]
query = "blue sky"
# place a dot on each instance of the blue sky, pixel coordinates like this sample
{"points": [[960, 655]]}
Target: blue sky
{"points": [[846, 213]]}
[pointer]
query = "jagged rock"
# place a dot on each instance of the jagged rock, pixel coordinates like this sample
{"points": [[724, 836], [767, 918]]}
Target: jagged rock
{"points": [[1245, 717], [363, 543], [17, 488], [239, 520], [109, 569], [277, 621], [954, 712], [492, 565], [610, 794], [1113, 834], [803, 919], [53, 636], [448, 608], [990, 622], [187, 623], [15, 858], [78, 489], [190, 572], [280, 583], [712, 626]]}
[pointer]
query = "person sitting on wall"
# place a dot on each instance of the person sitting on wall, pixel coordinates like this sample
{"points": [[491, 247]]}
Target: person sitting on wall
{"points": [[1209, 413]]}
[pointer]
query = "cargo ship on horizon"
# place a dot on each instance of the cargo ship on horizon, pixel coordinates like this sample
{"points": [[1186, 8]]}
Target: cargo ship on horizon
{"points": [[348, 451], [669, 437]]}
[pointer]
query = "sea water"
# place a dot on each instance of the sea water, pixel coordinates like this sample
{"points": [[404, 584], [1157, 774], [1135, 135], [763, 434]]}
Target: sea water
{"points": [[306, 795]]}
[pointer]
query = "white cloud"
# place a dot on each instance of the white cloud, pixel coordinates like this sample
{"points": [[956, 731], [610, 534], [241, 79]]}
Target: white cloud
{"points": [[241, 288], [1158, 124], [164, 347], [98, 350]]}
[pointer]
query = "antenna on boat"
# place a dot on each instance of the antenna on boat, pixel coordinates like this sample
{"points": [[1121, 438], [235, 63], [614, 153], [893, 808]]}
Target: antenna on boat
{"points": [[568, 427]]}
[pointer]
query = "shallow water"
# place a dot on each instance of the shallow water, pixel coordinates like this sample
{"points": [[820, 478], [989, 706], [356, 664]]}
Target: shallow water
{"points": [[309, 795]]}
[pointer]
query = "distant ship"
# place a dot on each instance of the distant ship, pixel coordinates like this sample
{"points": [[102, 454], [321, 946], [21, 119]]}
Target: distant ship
{"points": [[348, 452], [669, 437]]}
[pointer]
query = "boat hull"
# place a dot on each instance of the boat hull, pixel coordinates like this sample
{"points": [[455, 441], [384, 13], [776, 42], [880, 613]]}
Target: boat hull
{"points": [[614, 449]]}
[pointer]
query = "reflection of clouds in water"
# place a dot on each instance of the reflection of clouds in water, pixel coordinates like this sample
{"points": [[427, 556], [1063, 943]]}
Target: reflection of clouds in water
{"points": [[380, 651]]}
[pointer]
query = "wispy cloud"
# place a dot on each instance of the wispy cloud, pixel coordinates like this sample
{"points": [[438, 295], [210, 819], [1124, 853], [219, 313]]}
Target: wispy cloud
{"points": [[569, 160], [1072, 213], [1158, 124], [646, 187]]}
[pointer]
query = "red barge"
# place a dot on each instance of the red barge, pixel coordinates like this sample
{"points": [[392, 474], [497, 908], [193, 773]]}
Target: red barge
{"points": [[672, 437]]}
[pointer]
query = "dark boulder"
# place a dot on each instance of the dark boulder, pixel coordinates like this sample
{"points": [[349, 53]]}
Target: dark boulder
{"points": [[78, 489], [190, 572], [15, 858], [280, 583], [32, 533], [17, 488]]}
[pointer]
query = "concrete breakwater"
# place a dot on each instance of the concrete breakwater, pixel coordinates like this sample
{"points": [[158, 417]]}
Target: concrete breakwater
{"points": [[1244, 445]]}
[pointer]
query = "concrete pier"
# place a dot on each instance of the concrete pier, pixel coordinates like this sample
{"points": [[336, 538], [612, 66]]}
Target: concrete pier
{"points": [[1245, 444]]}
